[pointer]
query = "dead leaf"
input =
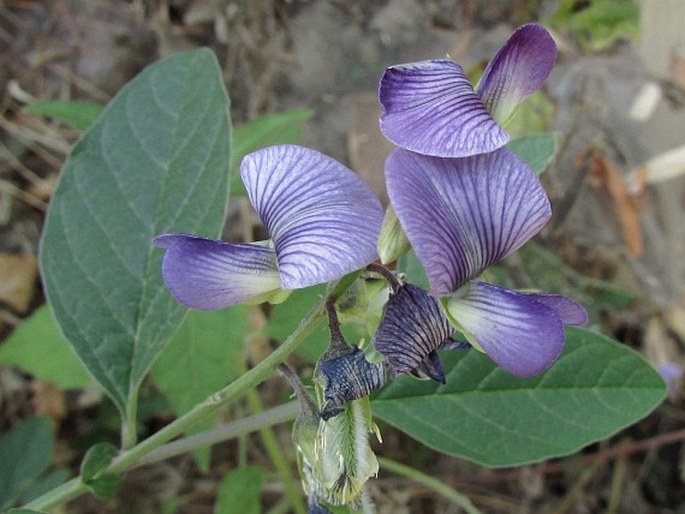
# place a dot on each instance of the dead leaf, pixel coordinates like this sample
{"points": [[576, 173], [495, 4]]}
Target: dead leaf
{"points": [[49, 401], [18, 274], [606, 177]]}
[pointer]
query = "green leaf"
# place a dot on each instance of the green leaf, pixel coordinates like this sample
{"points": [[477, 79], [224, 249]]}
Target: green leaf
{"points": [[410, 265], [486, 415], [240, 492], [286, 316], [25, 511], [156, 161], [97, 458], [105, 485], [270, 129], [199, 360], [25, 453], [36, 337], [78, 114], [537, 150]]}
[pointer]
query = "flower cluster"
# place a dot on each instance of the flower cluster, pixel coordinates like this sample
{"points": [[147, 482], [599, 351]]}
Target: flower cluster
{"points": [[465, 202], [459, 198]]}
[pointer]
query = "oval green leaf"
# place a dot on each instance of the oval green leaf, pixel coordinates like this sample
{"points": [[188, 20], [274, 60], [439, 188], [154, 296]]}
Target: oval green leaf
{"points": [[156, 161], [97, 459], [486, 415]]}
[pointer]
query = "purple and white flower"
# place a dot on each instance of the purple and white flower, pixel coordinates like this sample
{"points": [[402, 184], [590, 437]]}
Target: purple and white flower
{"points": [[322, 218], [462, 215], [431, 107]]}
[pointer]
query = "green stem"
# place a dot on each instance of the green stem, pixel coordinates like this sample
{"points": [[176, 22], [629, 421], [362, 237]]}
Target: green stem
{"points": [[432, 483], [235, 389], [241, 427], [293, 492], [129, 425]]}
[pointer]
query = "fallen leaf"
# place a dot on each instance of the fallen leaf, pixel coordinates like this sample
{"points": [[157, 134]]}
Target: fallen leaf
{"points": [[17, 280], [49, 401], [606, 177]]}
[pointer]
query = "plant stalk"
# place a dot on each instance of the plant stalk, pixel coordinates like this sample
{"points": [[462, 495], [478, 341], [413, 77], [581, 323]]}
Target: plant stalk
{"points": [[128, 458]]}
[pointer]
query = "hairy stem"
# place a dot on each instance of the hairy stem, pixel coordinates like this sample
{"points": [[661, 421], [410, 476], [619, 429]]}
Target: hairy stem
{"points": [[270, 417], [129, 425]]}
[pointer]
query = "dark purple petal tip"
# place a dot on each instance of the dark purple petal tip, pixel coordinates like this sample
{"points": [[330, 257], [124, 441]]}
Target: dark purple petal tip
{"points": [[413, 327], [520, 67], [323, 218], [208, 275], [430, 107]]}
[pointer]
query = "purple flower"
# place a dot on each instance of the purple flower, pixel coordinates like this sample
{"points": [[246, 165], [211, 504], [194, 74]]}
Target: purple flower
{"points": [[430, 107], [461, 216], [322, 218]]}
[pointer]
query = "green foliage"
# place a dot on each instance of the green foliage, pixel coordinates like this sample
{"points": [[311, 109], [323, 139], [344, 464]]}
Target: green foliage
{"points": [[270, 129], [598, 24], [25, 454], [286, 316], [24, 511], [199, 360], [93, 474], [79, 114], [36, 337], [532, 116], [484, 414], [154, 162], [410, 265], [240, 492], [97, 458], [537, 150]]}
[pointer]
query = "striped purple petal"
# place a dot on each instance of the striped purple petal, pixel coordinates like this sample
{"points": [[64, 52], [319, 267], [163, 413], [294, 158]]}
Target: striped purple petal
{"points": [[430, 107], [521, 334], [323, 218], [462, 215], [570, 312], [518, 69], [413, 327], [208, 275]]}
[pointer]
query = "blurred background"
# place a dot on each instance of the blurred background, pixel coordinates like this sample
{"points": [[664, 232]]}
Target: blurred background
{"points": [[616, 242]]}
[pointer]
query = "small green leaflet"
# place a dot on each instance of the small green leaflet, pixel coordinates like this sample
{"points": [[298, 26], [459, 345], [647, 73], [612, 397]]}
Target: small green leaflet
{"points": [[486, 415], [537, 150], [155, 161]]}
